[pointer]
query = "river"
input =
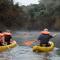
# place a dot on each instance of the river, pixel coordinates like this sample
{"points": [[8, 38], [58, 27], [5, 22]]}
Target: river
{"points": [[23, 52]]}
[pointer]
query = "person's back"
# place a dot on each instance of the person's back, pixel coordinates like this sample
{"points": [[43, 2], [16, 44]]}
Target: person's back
{"points": [[44, 38]]}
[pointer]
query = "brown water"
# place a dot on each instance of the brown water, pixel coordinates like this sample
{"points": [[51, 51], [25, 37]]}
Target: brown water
{"points": [[25, 52]]}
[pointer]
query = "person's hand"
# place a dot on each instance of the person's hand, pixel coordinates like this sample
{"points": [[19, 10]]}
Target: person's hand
{"points": [[54, 35]]}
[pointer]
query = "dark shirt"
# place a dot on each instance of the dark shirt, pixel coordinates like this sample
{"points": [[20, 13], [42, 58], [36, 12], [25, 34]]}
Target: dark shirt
{"points": [[44, 38]]}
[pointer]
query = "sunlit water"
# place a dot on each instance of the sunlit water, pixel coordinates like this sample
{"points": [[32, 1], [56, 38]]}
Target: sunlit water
{"points": [[21, 52]]}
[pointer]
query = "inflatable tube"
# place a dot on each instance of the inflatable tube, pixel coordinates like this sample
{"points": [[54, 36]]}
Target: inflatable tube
{"points": [[4, 48], [39, 48]]}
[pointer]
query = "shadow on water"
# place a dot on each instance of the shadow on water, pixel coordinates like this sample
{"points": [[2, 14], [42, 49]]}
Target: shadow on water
{"points": [[25, 52]]}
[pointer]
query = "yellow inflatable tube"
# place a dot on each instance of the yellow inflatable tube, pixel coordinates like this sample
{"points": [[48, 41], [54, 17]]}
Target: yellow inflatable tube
{"points": [[4, 48], [43, 49]]}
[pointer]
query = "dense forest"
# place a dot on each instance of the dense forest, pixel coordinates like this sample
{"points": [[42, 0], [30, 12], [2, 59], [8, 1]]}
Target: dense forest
{"points": [[46, 14]]}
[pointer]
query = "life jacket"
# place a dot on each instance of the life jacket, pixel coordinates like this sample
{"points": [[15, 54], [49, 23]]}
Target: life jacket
{"points": [[45, 32], [7, 33]]}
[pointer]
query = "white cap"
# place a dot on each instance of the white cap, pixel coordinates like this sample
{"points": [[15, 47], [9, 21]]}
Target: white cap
{"points": [[45, 29]]}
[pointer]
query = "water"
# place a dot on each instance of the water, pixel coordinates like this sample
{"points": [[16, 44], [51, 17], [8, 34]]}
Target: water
{"points": [[21, 52]]}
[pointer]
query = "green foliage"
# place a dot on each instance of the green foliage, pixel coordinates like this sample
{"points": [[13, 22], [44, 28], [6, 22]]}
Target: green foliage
{"points": [[34, 17], [9, 13]]}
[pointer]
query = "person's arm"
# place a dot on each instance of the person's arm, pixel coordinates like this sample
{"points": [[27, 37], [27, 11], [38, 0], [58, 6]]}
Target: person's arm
{"points": [[54, 35], [39, 38]]}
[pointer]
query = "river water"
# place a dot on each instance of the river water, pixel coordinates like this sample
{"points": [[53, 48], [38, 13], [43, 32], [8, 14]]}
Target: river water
{"points": [[23, 52]]}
